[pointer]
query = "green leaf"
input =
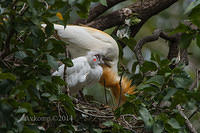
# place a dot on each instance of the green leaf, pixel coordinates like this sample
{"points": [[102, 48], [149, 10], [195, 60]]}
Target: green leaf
{"points": [[28, 106], [156, 57], [198, 40], [52, 62], [182, 82], [130, 42], [103, 2], [180, 28], [148, 66], [98, 130], [7, 76], [68, 105], [135, 20], [134, 66], [28, 130], [68, 62], [170, 93], [185, 40], [20, 55], [66, 17], [158, 127], [143, 86], [146, 117], [46, 94], [192, 5], [179, 97], [194, 16], [157, 80], [53, 98], [21, 110], [173, 123], [58, 80], [58, 45], [49, 29], [108, 123], [83, 6]]}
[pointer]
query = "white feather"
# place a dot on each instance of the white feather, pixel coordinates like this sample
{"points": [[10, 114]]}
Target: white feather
{"points": [[83, 39], [84, 73]]}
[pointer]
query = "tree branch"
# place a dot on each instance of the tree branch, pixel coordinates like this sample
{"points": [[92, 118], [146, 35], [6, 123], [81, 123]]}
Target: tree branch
{"points": [[144, 10], [174, 50], [156, 34], [97, 10]]}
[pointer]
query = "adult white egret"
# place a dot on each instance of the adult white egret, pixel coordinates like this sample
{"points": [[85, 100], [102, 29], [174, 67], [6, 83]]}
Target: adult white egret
{"points": [[84, 39]]}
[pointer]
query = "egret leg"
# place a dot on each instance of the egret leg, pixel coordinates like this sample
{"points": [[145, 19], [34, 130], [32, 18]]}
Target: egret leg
{"points": [[81, 96]]}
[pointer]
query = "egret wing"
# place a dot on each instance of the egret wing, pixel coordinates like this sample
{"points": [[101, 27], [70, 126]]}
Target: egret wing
{"points": [[83, 39]]}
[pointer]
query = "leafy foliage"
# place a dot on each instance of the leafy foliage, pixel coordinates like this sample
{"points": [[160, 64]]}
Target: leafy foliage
{"points": [[31, 99], [157, 97]]}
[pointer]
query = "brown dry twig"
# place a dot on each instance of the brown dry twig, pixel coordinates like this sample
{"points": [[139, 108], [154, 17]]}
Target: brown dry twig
{"points": [[105, 94], [23, 9], [120, 84], [187, 121], [156, 34], [93, 110], [196, 81], [65, 71]]}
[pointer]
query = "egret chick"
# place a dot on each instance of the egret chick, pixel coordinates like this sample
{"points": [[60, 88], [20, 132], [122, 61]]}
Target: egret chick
{"points": [[85, 72]]}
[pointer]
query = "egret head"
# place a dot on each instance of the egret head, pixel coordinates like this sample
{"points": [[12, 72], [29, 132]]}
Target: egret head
{"points": [[95, 59]]}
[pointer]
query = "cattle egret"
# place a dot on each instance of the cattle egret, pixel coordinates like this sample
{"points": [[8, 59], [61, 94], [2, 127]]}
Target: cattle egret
{"points": [[112, 80], [82, 39], [85, 72]]}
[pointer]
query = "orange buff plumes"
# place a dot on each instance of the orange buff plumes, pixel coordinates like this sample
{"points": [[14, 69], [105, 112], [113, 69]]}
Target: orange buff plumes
{"points": [[112, 81]]}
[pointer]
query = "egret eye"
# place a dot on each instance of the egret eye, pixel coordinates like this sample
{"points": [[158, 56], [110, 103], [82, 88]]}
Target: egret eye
{"points": [[97, 56], [94, 59]]}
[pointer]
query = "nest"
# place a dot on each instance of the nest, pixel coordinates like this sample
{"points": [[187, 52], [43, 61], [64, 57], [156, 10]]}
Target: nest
{"points": [[98, 113]]}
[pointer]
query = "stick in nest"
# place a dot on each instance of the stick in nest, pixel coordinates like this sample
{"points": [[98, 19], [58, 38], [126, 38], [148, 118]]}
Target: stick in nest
{"points": [[104, 82]]}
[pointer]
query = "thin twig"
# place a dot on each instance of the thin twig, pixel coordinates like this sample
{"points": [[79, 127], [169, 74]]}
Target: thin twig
{"points": [[24, 7], [65, 70], [129, 125], [187, 121], [130, 115], [46, 4], [98, 116], [59, 109], [11, 33], [14, 4], [198, 77], [104, 84], [197, 110], [196, 81], [120, 92]]}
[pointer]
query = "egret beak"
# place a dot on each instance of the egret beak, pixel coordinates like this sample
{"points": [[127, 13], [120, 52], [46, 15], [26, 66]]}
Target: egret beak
{"points": [[106, 60]]}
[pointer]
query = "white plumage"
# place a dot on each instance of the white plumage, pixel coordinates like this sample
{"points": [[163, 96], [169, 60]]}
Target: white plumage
{"points": [[86, 71], [83, 39]]}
